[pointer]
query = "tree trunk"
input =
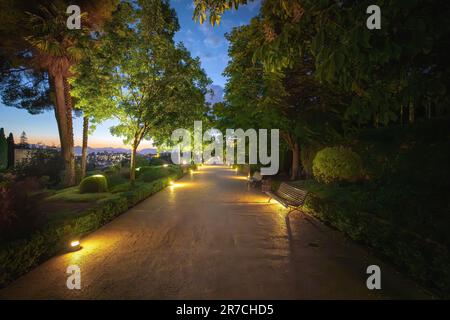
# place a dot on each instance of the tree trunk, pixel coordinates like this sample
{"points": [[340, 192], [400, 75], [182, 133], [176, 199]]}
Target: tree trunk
{"points": [[401, 116], [63, 113], [411, 112], [133, 163], [85, 146], [295, 161]]}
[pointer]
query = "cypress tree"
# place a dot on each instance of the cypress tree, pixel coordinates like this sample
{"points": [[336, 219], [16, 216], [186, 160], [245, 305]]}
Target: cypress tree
{"points": [[3, 150], [11, 147]]}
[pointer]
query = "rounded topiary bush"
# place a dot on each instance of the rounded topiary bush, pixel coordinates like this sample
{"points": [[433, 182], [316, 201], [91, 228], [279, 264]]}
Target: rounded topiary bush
{"points": [[337, 164], [94, 184]]}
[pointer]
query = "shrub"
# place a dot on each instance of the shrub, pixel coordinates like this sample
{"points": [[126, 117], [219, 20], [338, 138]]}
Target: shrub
{"points": [[115, 179], [3, 150], [19, 214], [20, 256], [149, 174], [141, 161], [125, 173], [157, 162], [42, 162], [94, 184], [337, 164]]}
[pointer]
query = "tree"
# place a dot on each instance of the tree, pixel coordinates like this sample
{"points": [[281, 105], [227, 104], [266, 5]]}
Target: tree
{"points": [[23, 140], [92, 92], [156, 86], [292, 101], [11, 147], [386, 71], [38, 43], [3, 150]]}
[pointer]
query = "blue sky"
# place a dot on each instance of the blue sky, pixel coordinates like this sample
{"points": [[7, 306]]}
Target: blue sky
{"points": [[204, 41]]}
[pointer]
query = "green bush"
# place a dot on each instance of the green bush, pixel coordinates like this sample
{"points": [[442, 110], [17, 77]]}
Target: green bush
{"points": [[337, 164], [20, 256], [151, 173], [94, 184], [157, 162], [115, 179], [423, 259], [42, 162]]}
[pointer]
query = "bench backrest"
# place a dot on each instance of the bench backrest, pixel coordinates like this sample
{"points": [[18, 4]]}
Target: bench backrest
{"points": [[292, 194]]}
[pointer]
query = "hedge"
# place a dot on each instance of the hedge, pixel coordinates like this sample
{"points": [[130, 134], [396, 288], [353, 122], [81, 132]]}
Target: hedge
{"points": [[21, 256], [423, 259]]}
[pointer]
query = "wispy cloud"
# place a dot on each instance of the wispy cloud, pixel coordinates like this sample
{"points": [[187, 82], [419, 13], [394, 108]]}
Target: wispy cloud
{"points": [[212, 38]]}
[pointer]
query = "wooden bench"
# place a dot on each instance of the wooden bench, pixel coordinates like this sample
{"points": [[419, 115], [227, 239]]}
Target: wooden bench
{"points": [[255, 179], [289, 196]]}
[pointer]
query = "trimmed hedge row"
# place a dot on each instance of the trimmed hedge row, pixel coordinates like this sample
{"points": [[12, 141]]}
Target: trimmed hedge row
{"points": [[21, 256], [424, 260]]}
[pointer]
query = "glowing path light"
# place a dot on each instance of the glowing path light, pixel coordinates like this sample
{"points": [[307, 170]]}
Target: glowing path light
{"points": [[75, 245]]}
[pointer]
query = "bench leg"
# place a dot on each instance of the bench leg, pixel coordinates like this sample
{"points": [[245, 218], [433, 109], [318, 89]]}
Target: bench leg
{"points": [[270, 198], [294, 209]]}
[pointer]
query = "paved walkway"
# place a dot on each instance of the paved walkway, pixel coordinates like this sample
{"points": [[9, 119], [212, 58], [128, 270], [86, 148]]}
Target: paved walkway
{"points": [[212, 237]]}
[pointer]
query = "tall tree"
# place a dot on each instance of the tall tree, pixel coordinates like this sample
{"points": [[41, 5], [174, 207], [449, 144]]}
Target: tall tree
{"points": [[37, 41], [23, 140], [92, 91], [386, 71], [156, 85], [3, 150], [292, 101], [11, 147]]}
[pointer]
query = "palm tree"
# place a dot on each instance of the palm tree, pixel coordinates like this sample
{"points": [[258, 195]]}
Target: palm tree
{"points": [[35, 37], [56, 50]]}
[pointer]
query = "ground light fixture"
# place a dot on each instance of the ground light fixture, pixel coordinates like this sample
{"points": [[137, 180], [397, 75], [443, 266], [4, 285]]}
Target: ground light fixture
{"points": [[75, 245], [171, 183], [165, 165]]}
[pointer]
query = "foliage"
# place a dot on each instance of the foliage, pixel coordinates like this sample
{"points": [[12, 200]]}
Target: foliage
{"points": [[41, 163], [157, 162], [377, 225], [19, 214], [11, 147], [3, 150], [153, 85], [337, 164], [151, 173], [18, 257], [141, 161], [402, 64], [291, 100], [94, 184], [38, 51]]}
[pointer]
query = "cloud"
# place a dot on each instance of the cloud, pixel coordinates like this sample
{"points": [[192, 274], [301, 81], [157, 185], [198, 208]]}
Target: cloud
{"points": [[211, 37], [253, 5], [216, 96]]}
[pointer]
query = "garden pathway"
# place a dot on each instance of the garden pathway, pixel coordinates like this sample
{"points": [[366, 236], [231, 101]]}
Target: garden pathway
{"points": [[212, 237]]}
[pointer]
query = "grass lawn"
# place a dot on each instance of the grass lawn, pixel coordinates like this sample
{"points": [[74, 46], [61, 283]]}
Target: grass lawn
{"points": [[73, 195]]}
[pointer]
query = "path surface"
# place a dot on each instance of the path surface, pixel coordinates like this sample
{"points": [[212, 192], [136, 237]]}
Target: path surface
{"points": [[212, 237]]}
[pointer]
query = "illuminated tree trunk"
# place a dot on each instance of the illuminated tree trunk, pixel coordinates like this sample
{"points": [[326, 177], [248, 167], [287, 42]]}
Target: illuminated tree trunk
{"points": [[63, 112], [85, 146], [133, 163], [295, 161]]}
